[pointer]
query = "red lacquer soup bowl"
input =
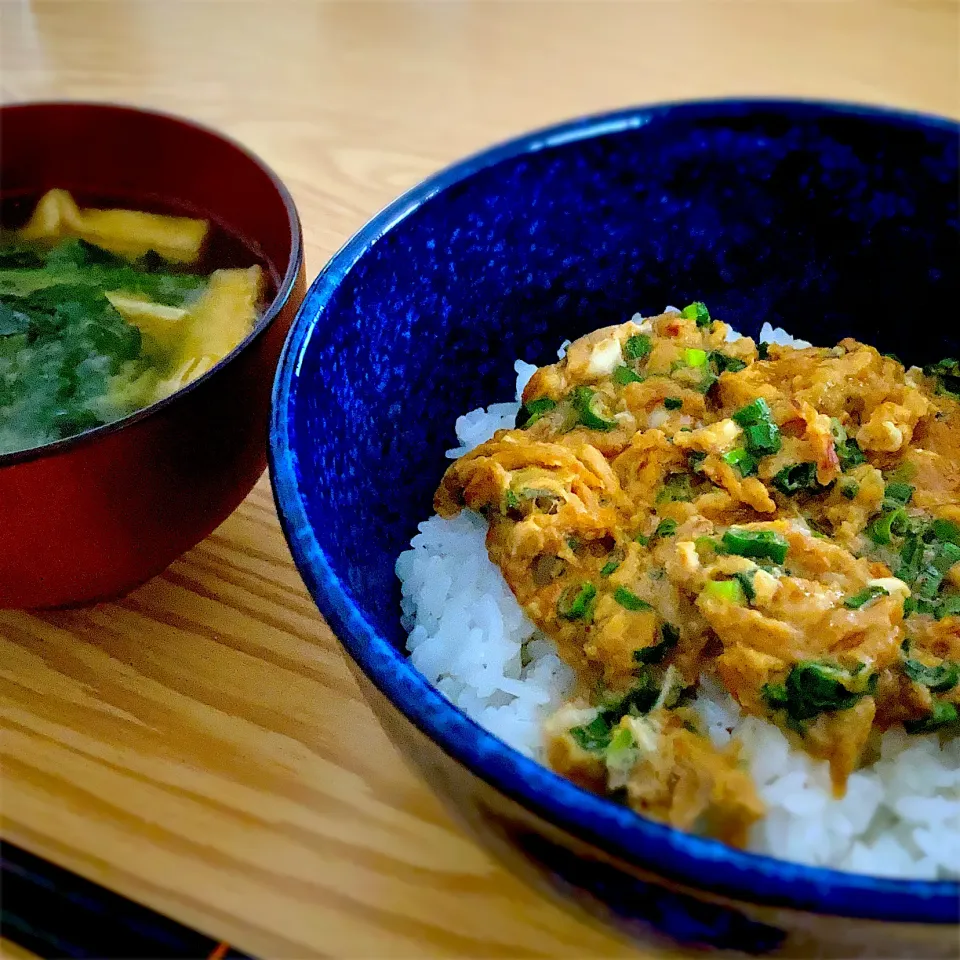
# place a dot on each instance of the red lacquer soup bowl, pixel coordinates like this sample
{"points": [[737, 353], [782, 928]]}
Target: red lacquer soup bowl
{"points": [[95, 515]]}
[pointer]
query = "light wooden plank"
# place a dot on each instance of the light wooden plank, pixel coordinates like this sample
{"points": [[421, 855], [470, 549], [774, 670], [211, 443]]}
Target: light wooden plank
{"points": [[201, 746]]}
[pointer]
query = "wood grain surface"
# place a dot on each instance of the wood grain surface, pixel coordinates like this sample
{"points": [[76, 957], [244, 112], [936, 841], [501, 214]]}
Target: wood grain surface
{"points": [[200, 746], [11, 951]]}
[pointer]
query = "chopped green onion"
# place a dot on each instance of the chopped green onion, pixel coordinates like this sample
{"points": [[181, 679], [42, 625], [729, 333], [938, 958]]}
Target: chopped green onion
{"points": [[643, 540], [797, 478], [763, 350], [724, 363], [761, 433], [637, 347], [949, 554], [639, 700], [666, 528], [945, 530], [621, 755], [899, 493], [594, 736], [695, 460], [624, 375], [850, 489], [629, 600], [755, 412], [705, 545], [850, 455], [848, 451], [903, 472], [745, 579], [576, 603], [729, 591], [584, 402], [948, 607], [865, 596], [657, 652], [672, 403], [941, 715], [511, 500], [911, 558], [813, 687], [531, 412], [776, 695], [762, 438], [947, 374], [926, 585], [888, 525], [610, 567], [743, 460], [758, 544], [696, 311], [931, 576], [939, 679], [694, 357]]}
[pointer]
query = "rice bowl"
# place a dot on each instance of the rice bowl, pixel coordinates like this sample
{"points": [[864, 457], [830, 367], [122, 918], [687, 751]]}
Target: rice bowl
{"points": [[468, 635], [409, 326]]}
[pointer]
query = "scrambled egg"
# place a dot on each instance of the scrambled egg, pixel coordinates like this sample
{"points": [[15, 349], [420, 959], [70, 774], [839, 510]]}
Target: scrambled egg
{"points": [[787, 521]]}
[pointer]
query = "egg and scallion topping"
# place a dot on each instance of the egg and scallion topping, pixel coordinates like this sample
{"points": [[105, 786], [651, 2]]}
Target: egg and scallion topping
{"points": [[674, 504]]}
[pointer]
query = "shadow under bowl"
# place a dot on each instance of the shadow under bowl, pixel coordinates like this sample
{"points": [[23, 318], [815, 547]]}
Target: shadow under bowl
{"points": [[91, 517], [830, 220]]}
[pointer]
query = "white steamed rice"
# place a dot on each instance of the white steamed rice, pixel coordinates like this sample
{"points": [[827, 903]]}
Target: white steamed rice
{"points": [[900, 817]]}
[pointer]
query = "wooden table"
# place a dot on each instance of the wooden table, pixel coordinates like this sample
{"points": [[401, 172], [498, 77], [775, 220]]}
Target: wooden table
{"points": [[200, 746]]}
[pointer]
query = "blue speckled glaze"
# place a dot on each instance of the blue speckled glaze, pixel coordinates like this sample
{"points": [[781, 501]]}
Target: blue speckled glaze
{"points": [[830, 220]]}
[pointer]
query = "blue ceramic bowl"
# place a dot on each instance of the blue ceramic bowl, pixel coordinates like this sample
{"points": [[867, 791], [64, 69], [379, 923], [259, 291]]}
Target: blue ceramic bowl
{"points": [[828, 219]]}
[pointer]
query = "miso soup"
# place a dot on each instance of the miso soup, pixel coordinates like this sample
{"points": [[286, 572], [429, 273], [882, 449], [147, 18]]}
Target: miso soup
{"points": [[104, 311]]}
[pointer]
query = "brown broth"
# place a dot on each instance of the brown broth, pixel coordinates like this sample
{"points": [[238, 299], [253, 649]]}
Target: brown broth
{"points": [[223, 249]]}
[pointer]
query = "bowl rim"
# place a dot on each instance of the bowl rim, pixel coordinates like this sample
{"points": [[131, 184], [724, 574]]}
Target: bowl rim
{"points": [[264, 321], [695, 862]]}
